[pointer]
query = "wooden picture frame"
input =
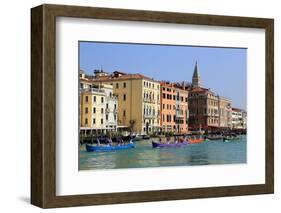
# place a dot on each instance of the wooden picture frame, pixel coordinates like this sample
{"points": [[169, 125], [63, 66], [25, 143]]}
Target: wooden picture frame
{"points": [[43, 105]]}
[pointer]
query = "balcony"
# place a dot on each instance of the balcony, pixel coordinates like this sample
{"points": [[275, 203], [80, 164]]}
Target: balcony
{"points": [[150, 116], [92, 90], [147, 100], [111, 98], [178, 115]]}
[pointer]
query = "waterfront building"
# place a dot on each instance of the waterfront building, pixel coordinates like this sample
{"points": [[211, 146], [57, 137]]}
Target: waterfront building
{"points": [[138, 100], [225, 112], [203, 109], [98, 108], [207, 110], [167, 107], [239, 118], [182, 111]]}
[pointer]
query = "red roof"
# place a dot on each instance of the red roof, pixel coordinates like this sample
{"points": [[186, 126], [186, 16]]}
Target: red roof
{"points": [[199, 90], [122, 77]]}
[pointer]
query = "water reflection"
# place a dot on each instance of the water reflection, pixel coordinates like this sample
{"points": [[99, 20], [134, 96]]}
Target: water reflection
{"points": [[212, 152]]}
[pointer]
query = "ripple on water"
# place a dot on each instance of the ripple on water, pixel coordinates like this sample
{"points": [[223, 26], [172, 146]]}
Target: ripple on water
{"points": [[206, 153]]}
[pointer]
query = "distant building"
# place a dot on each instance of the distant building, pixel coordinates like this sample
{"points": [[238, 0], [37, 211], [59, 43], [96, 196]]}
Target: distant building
{"points": [[239, 119], [207, 110], [225, 112], [203, 109]]}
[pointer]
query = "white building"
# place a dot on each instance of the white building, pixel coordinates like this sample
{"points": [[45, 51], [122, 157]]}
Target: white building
{"points": [[111, 108], [239, 119]]}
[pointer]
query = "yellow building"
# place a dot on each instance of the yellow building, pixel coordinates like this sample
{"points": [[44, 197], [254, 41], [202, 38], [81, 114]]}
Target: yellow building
{"points": [[98, 108], [138, 100]]}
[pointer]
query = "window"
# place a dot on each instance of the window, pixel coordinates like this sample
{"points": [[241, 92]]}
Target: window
{"points": [[117, 85], [106, 117], [124, 112], [101, 121], [163, 106], [94, 110], [144, 83], [124, 85], [95, 99], [102, 99], [106, 106], [115, 106], [124, 97], [115, 117], [86, 110], [86, 121], [94, 121], [86, 99], [164, 95], [101, 110]]}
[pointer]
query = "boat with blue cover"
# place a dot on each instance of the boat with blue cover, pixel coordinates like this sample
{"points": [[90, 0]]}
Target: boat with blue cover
{"points": [[91, 148]]}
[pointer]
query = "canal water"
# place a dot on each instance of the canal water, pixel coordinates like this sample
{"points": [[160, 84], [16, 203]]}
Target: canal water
{"points": [[206, 153]]}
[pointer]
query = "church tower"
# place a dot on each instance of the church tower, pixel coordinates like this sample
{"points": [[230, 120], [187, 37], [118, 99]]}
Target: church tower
{"points": [[196, 81]]}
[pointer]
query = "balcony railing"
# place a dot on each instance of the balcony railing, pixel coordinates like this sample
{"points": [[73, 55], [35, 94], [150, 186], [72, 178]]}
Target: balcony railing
{"points": [[111, 98], [150, 116], [178, 115], [108, 110], [148, 100], [92, 90]]}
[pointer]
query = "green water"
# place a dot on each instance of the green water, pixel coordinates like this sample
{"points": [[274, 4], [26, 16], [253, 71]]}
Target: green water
{"points": [[206, 153]]}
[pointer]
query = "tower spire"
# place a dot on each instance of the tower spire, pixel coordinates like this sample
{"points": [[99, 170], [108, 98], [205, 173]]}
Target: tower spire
{"points": [[196, 81]]}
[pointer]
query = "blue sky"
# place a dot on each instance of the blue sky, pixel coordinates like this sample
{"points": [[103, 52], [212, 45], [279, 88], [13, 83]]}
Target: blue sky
{"points": [[224, 70]]}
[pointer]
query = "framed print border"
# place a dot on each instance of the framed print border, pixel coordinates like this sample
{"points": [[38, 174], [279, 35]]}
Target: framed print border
{"points": [[43, 105]]}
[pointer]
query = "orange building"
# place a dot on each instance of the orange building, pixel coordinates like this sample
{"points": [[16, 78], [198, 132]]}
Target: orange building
{"points": [[168, 107], [174, 107]]}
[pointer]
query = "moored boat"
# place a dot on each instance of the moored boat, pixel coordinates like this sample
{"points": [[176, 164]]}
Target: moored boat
{"points": [[91, 148], [162, 145], [145, 137], [230, 138], [195, 140], [215, 137]]}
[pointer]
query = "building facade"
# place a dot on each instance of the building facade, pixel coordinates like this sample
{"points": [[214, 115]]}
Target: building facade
{"points": [[98, 108], [182, 111], [239, 119], [138, 100], [207, 109], [168, 107], [203, 109], [225, 112]]}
